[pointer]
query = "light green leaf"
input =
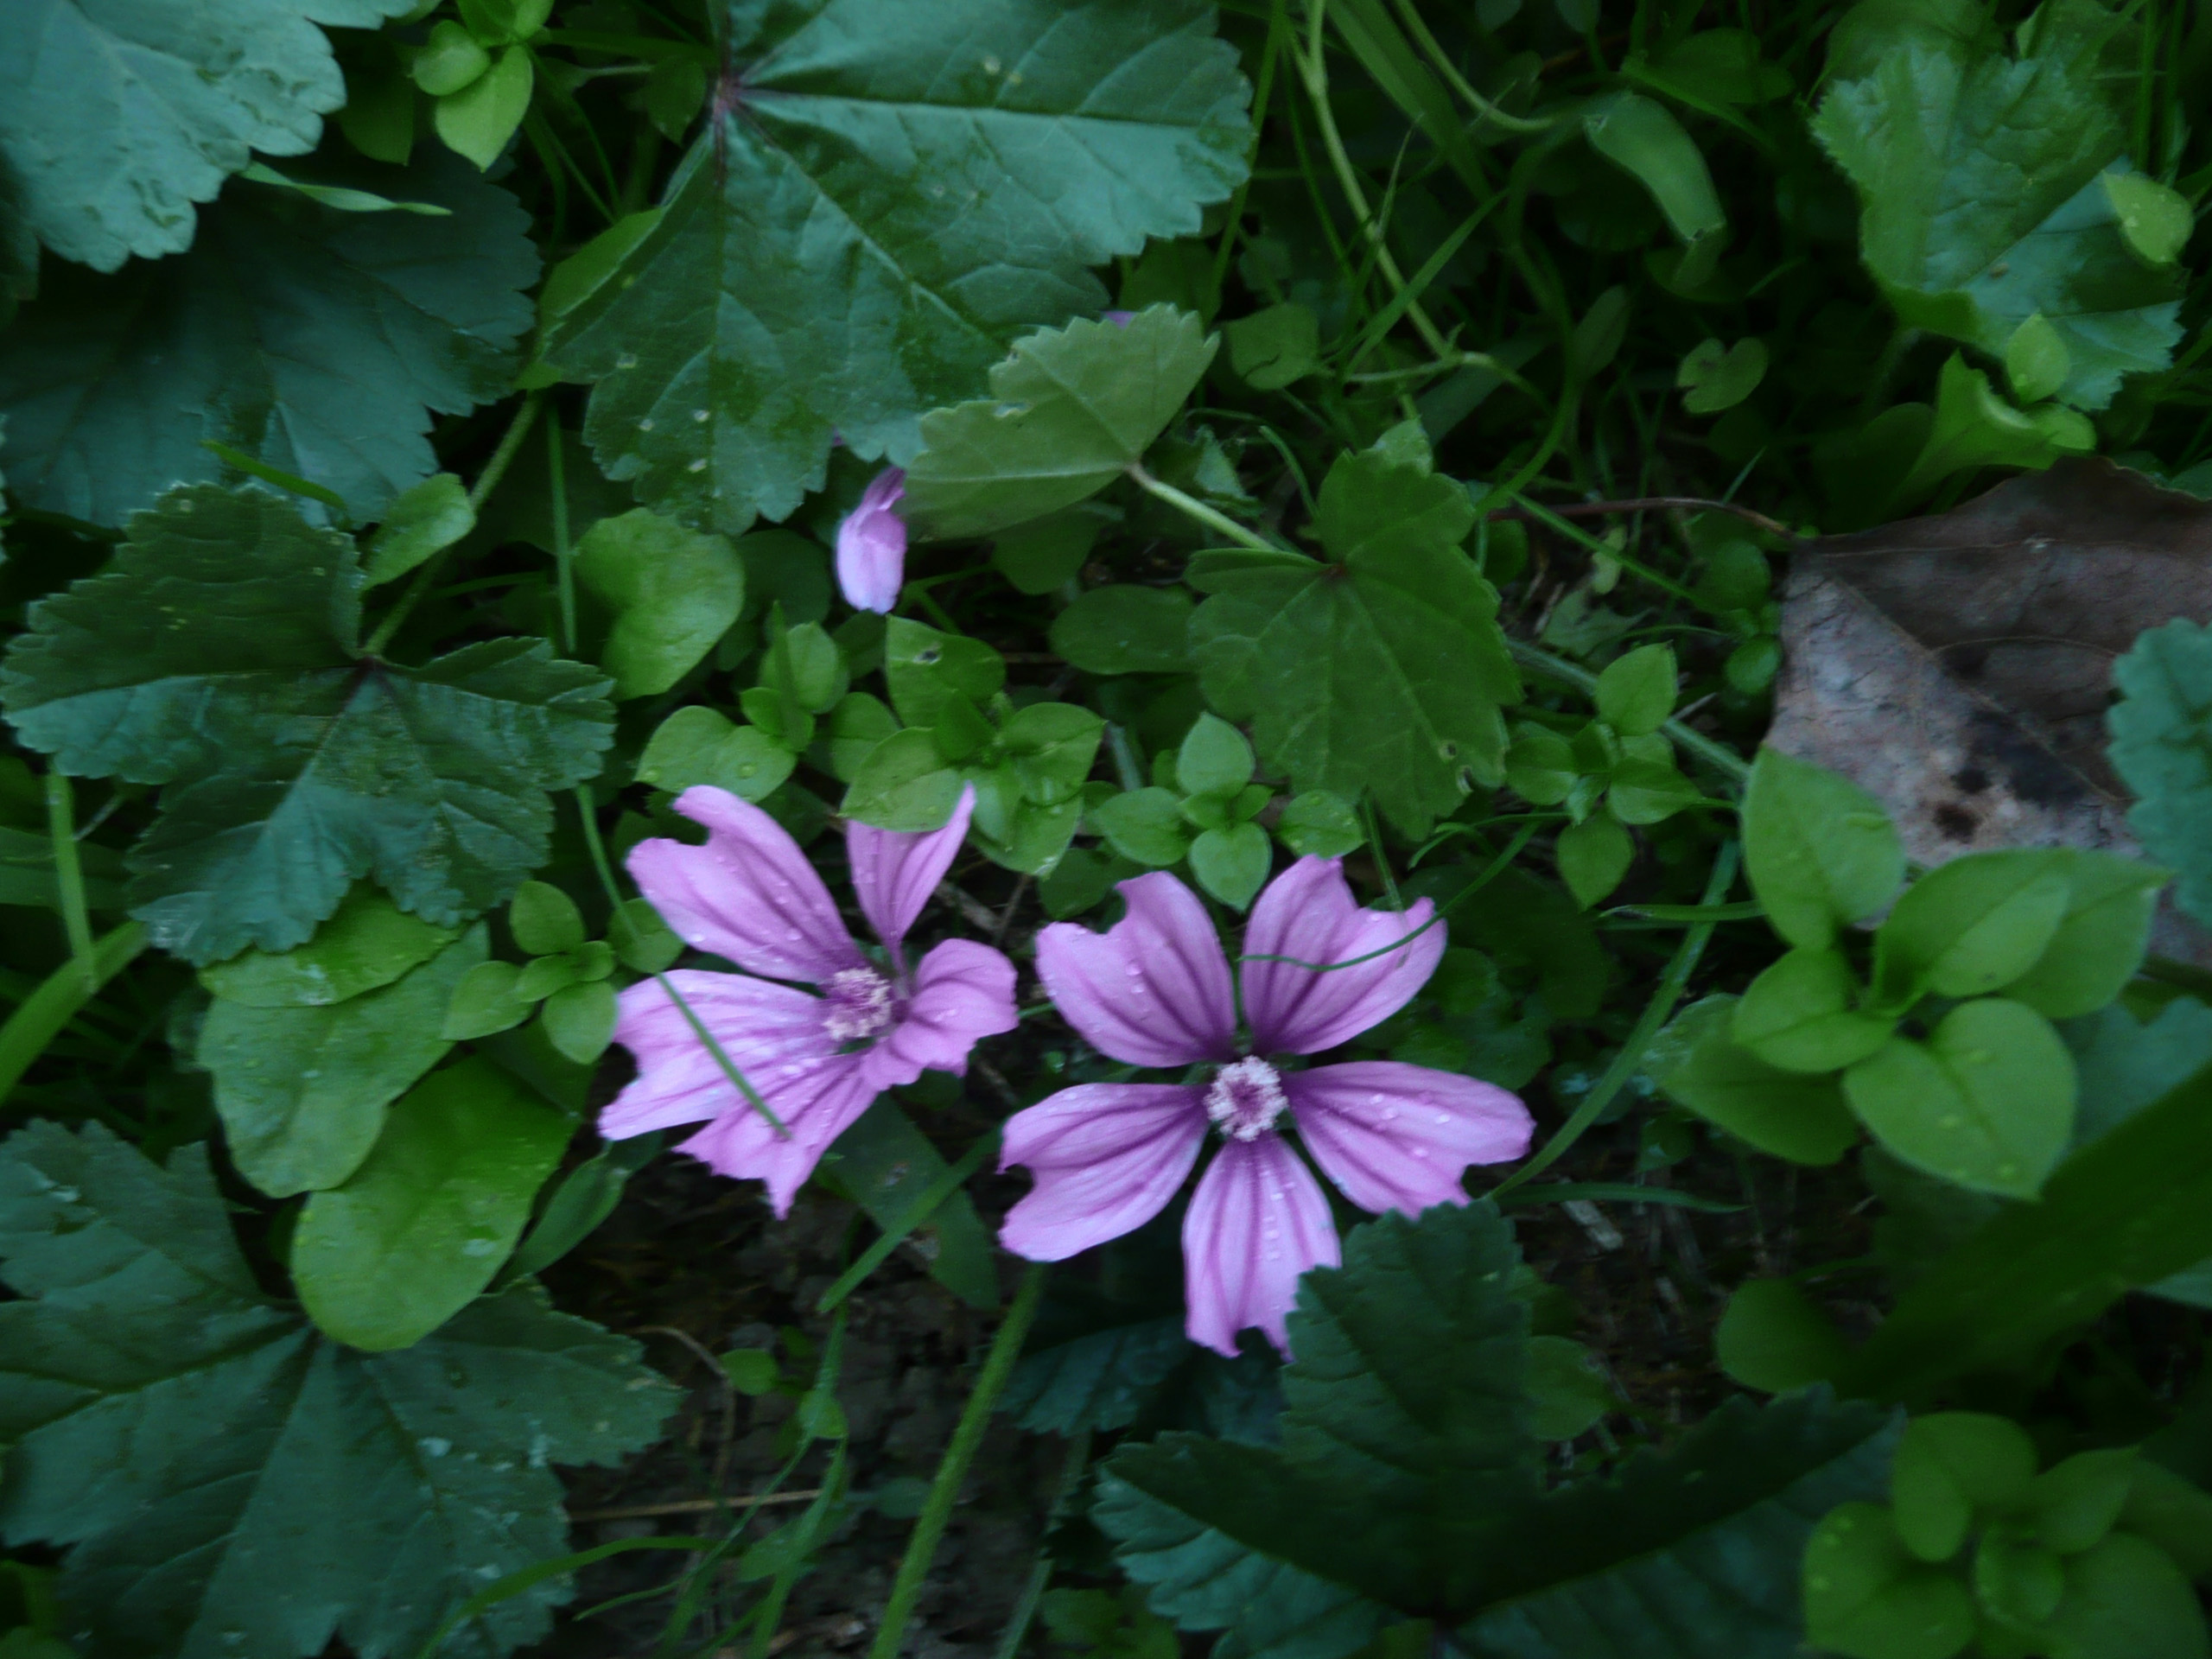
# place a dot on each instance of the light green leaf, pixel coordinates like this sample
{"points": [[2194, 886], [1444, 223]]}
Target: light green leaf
{"points": [[1714, 377], [1068, 412], [1972, 926], [1980, 176], [449, 60], [1797, 1014], [1144, 824], [1986, 1102], [316, 341], [2037, 361], [1045, 553], [1867, 1597], [1231, 862], [422, 519], [1636, 692], [905, 783], [411, 1237], [1975, 427], [2076, 1503], [694, 745], [368, 942], [2162, 749], [346, 200], [922, 666], [114, 120], [674, 592], [302, 1090], [579, 1020], [544, 919], [1125, 629], [1951, 1466], [489, 998], [293, 764], [2156, 220], [182, 1438], [1594, 857], [1639, 135], [2100, 939], [1275, 347], [1774, 1337], [1052, 746], [1320, 823], [2126, 1596], [1214, 758], [857, 238], [1381, 668], [1787, 1114], [1819, 850], [478, 120]]}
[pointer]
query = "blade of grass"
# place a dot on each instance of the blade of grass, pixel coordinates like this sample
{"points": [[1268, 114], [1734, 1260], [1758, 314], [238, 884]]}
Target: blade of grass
{"points": [[38, 1020]]}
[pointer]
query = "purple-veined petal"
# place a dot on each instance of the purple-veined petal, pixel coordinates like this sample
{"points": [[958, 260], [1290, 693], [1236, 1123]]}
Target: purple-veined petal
{"points": [[1308, 913], [872, 545], [748, 894], [1257, 1221], [1154, 989], [817, 1099], [762, 1028], [1397, 1137], [1119, 319], [963, 992], [1107, 1157], [894, 871]]}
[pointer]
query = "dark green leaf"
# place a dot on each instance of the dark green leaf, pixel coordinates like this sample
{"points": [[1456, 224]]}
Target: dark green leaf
{"points": [[1774, 1337], [1383, 668], [183, 1439], [1980, 176], [411, 1236], [880, 208], [1125, 630], [114, 120], [295, 764], [317, 341], [1068, 413], [1275, 347], [1094, 1379], [2160, 749], [884, 1164], [302, 1090], [1950, 1466]]}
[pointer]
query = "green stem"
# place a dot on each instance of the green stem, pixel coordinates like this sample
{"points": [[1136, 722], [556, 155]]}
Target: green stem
{"points": [[39, 1018], [1198, 510], [1024, 1611], [945, 1490], [564, 576], [1638, 1041], [69, 876], [1718, 755], [1442, 61], [487, 482], [924, 1205]]}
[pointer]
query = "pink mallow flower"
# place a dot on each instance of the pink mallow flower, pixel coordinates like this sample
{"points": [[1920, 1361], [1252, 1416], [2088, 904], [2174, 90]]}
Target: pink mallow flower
{"points": [[1154, 990], [818, 1060], [872, 545]]}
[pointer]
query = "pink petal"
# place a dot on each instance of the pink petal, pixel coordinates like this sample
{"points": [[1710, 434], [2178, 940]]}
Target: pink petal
{"points": [[762, 1028], [1119, 319], [1154, 989], [1397, 1137], [963, 992], [895, 873], [1257, 1221], [748, 894], [1308, 913], [818, 1099], [872, 545], [1107, 1157]]}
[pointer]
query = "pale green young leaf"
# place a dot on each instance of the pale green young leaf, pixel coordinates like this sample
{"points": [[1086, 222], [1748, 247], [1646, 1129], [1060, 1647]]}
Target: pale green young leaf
{"points": [[1383, 668], [544, 919], [412, 1236], [317, 341], [2156, 219], [181, 1438], [1973, 926], [1231, 862], [1774, 1337], [674, 592], [1068, 412], [2037, 361], [694, 745], [2100, 940], [1973, 426], [1980, 179], [1275, 347], [422, 519], [302, 1090], [922, 666], [1143, 824], [450, 59], [1214, 757], [114, 120], [1867, 1598], [1819, 851], [895, 192], [1986, 1102], [1594, 857], [368, 942], [579, 1020], [1320, 823], [1798, 1014], [1641, 136], [1636, 692], [904, 783], [431, 780], [478, 120], [1789, 1114], [488, 999], [1951, 1466]]}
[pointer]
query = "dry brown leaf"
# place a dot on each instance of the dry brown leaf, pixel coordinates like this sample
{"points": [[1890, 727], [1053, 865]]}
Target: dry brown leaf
{"points": [[1958, 666]]}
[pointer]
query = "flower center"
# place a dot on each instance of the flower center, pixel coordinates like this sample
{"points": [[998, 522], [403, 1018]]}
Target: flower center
{"points": [[858, 1004], [1245, 1099]]}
